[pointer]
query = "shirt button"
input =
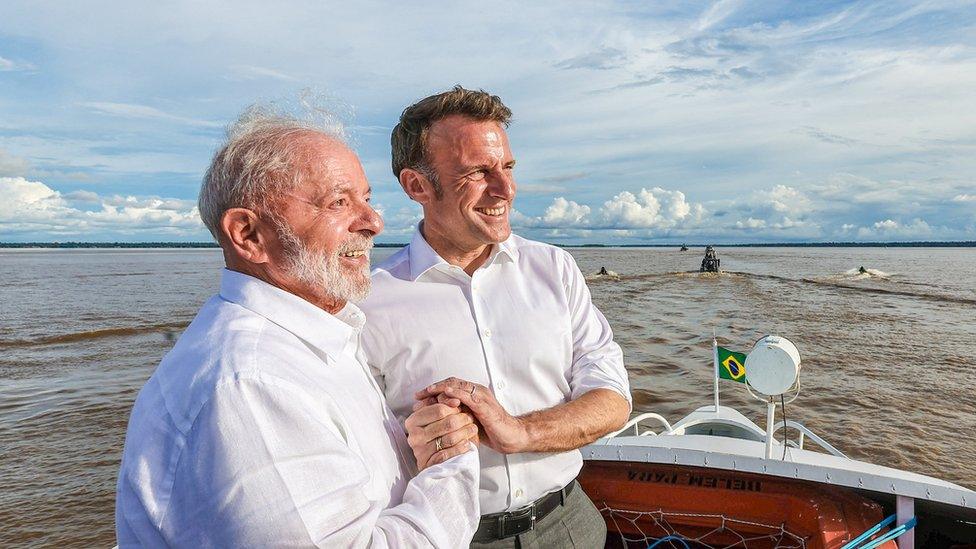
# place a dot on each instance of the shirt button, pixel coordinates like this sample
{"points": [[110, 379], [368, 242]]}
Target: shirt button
{"points": [[500, 385], [518, 493], [487, 332]]}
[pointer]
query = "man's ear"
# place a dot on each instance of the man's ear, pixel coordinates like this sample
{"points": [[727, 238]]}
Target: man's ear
{"points": [[245, 234], [417, 186]]}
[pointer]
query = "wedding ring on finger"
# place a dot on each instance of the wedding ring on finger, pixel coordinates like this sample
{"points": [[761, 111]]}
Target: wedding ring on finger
{"points": [[438, 445]]}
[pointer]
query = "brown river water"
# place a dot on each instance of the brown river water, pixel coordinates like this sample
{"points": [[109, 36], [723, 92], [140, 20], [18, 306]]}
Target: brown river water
{"points": [[889, 357]]}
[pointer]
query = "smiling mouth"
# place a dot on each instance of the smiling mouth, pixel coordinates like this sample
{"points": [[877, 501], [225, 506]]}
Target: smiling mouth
{"points": [[494, 212], [353, 253]]}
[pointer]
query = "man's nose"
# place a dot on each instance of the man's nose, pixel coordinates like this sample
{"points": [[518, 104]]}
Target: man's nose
{"points": [[369, 220], [502, 185]]}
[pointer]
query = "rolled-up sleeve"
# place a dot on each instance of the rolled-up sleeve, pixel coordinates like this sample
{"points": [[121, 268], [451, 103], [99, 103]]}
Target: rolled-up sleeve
{"points": [[598, 361], [266, 465]]}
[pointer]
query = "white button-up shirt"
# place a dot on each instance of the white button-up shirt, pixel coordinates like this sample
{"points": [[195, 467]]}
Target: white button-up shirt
{"points": [[522, 324], [263, 428]]}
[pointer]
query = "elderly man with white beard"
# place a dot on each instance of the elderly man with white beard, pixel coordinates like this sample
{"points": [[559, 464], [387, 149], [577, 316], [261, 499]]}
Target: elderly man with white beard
{"points": [[262, 427]]}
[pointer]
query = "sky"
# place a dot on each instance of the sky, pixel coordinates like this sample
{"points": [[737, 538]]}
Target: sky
{"points": [[634, 122]]}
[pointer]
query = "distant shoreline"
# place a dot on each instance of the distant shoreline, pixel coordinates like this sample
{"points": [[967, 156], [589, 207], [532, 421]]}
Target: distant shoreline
{"points": [[110, 245]]}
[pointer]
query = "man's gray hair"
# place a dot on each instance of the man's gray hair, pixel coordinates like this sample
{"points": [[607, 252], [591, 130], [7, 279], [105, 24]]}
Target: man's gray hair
{"points": [[261, 159]]}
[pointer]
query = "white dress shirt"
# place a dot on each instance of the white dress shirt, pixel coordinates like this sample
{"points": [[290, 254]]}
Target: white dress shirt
{"points": [[522, 324], [263, 428]]}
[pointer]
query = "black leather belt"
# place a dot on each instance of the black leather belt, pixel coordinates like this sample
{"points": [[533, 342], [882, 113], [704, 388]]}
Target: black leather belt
{"points": [[512, 523]]}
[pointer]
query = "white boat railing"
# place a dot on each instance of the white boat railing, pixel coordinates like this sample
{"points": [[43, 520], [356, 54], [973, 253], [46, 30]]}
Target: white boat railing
{"points": [[805, 431], [634, 421], [633, 425]]}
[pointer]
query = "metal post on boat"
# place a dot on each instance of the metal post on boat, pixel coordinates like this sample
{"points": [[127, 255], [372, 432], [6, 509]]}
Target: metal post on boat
{"points": [[904, 511], [715, 360], [770, 417]]}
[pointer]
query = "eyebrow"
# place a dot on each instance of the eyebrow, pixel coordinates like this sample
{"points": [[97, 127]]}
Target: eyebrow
{"points": [[468, 169], [342, 188]]}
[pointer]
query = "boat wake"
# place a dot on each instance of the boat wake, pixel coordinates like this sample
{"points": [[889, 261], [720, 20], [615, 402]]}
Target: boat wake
{"points": [[834, 282], [862, 273], [167, 328], [611, 277], [850, 281]]}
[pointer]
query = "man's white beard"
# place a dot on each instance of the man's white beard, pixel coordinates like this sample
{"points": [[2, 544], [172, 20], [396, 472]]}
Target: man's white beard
{"points": [[322, 270]]}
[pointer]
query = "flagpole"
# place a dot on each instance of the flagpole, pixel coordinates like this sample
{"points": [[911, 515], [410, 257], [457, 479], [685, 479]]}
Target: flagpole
{"points": [[715, 376]]}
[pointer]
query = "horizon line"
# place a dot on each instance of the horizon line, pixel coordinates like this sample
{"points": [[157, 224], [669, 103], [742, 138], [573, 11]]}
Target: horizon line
{"points": [[841, 244]]}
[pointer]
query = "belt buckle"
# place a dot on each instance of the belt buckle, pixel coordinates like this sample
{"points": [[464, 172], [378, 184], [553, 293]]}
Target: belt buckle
{"points": [[517, 522]]}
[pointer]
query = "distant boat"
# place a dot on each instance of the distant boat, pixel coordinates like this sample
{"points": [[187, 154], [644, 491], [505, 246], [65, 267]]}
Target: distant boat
{"points": [[684, 248]]}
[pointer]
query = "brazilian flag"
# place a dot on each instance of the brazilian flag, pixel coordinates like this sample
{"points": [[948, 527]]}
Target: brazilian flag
{"points": [[731, 365]]}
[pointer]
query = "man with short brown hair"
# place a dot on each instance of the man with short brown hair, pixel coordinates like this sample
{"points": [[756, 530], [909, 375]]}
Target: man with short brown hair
{"points": [[507, 321], [411, 135]]}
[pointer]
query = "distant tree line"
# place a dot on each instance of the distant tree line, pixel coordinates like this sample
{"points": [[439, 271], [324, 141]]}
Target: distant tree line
{"points": [[131, 245], [926, 244], [108, 245]]}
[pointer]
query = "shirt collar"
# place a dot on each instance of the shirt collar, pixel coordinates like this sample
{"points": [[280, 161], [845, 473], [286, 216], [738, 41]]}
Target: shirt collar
{"points": [[506, 248], [308, 322], [423, 258]]}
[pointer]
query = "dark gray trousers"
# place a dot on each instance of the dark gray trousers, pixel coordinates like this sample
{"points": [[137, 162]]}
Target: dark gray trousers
{"points": [[575, 524]]}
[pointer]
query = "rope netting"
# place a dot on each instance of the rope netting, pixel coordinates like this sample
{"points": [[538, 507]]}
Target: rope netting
{"points": [[672, 530]]}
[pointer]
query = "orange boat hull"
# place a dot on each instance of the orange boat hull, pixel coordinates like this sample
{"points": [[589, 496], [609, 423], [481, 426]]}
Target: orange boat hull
{"points": [[647, 500]]}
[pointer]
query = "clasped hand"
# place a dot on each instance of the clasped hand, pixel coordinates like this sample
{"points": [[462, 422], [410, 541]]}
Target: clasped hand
{"points": [[451, 413]]}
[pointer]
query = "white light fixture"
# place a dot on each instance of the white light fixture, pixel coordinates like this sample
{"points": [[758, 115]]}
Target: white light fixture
{"points": [[772, 369], [773, 365]]}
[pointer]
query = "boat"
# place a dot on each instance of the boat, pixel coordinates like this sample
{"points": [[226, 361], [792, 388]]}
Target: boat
{"points": [[717, 479], [684, 248], [710, 263], [609, 274]]}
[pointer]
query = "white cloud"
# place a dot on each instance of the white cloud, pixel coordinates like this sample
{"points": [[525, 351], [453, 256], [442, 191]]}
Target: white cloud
{"points": [[751, 223], [148, 203], [565, 213], [779, 212], [782, 199], [716, 13], [828, 211], [251, 72], [889, 229], [656, 208], [964, 198], [603, 59], [130, 110], [27, 201], [401, 222], [83, 196], [560, 234], [9, 65], [32, 210]]}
